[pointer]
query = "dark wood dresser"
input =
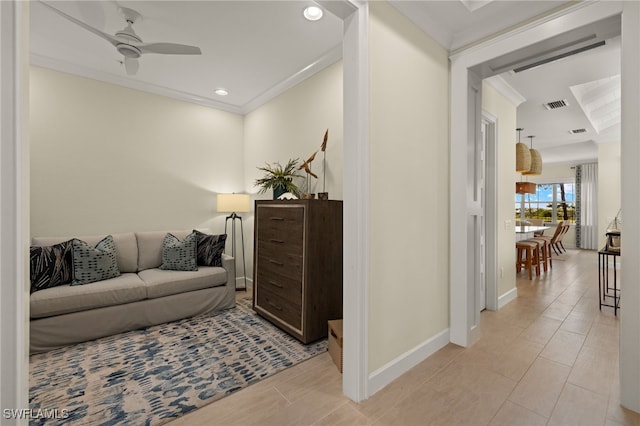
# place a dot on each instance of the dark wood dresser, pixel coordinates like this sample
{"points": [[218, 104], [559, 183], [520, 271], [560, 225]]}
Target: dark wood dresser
{"points": [[297, 279]]}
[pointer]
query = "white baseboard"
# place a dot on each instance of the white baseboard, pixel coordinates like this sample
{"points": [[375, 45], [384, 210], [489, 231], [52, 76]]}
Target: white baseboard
{"points": [[507, 297], [396, 368], [240, 283]]}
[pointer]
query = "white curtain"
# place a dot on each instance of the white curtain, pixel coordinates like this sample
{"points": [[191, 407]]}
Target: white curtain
{"points": [[589, 207]]}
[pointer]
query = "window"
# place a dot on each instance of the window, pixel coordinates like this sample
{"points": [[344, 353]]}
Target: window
{"points": [[552, 200]]}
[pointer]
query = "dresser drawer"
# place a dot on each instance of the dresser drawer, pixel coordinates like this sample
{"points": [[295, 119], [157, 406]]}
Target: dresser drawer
{"points": [[288, 288], [289, 268], [274, 247], [280, 224], [279, 307]]}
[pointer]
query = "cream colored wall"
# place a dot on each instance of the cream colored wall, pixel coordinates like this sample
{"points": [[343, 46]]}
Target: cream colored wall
{"points": [[497, 105], [609, 185], [107, 159], [292, 126], [555, 172], [409, 214]]}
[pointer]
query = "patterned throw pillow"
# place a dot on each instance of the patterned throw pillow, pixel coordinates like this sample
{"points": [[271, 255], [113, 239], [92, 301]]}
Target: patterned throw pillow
{"points": [[210, 248], [179, 255], [91, 264], [51, 265]]}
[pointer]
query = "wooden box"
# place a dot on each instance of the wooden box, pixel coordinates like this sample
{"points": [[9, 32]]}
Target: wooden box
{"points": [[335, 342]]}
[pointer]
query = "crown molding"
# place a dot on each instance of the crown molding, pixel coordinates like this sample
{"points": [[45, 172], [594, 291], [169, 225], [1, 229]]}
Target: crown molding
{"points": [[329, 58], [63, 66], [506, 90]]}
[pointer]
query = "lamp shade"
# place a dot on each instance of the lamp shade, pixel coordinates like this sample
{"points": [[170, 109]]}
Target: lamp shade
{"points": [[536, 164], [233, 203], [523, 158], [525, 188]]}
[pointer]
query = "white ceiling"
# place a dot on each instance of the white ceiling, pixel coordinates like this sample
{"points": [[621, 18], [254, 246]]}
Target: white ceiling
{"points": [[258, 49], [251, 48]]}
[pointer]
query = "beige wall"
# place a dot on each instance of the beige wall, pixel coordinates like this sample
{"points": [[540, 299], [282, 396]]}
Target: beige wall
{"points": [[553, 172], [107, 159], [409, 214], [292, 126], [497, 105], [609, 185]]}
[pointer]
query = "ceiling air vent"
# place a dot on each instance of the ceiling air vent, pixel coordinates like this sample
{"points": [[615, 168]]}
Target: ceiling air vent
{"points": [[556, 104], [577, 131]]}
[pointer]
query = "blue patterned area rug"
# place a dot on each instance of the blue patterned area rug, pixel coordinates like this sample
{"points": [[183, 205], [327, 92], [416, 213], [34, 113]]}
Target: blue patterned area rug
{"points": [[150, 376]]}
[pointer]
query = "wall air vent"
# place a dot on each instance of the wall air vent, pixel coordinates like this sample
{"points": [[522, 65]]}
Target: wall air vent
{"points": [[556, 104], [577, 131]]}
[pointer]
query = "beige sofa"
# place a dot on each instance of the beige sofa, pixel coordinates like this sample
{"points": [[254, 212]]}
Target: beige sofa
{"points": [[143, 295]]}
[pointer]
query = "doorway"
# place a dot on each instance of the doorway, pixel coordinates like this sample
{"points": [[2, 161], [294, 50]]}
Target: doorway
{"points": [[461, 64]]}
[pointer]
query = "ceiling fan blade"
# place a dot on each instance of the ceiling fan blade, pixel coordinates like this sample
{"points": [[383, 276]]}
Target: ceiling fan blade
{"points": [[111, 39], [169, 49], [131, 65]]}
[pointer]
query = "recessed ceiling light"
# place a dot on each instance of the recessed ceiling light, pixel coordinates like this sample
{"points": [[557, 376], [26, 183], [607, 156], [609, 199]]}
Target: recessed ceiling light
{"points": [[312, 13], [221, 92]]}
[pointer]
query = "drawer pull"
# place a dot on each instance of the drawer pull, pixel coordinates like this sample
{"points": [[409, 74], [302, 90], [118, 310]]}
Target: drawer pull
{"points": [[273, 240], [275, 284], [275, 262], [274, 305], [277, 218]]}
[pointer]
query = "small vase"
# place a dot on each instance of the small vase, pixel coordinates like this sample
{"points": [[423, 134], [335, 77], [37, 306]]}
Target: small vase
{"points": [[278, 191]]}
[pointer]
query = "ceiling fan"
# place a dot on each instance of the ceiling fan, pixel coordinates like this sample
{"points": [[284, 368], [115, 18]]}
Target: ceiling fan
{"points": [[127, 42]]}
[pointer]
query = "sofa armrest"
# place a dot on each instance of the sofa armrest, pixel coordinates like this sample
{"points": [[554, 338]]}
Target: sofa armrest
{"points": [[229, 264]]}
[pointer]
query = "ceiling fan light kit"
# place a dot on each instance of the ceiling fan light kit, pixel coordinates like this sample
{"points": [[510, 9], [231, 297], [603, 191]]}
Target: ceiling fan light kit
{"points": [[128, 43]]}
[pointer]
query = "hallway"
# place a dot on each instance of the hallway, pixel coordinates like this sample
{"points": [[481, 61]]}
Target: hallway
{"points": [[548, 357]]}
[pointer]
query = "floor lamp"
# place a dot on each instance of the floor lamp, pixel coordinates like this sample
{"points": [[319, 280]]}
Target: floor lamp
{"points": [[234, 204]]}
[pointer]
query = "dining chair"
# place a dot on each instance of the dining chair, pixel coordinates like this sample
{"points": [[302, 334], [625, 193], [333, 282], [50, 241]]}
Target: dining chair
{"points": [[565, 229], [555, 240]]}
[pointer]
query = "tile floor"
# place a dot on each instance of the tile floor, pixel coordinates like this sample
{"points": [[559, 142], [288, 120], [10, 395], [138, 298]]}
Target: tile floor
{"points": [[549, 357]]}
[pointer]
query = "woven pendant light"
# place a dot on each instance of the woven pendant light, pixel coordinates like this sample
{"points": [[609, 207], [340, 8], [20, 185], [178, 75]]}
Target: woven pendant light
{"points": [[536, 161], [523, 155], [525, 188]]}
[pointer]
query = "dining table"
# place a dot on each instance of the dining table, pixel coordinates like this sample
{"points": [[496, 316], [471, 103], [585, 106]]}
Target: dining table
{"points": [[524, 232]]}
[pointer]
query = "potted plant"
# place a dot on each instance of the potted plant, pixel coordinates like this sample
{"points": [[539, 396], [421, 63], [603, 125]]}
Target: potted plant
{"points": [[279, 178]]}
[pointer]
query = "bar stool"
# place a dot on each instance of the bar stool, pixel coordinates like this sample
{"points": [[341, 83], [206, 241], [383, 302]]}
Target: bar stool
{"points": [[546, 251], [527, 257], [540, 258]]}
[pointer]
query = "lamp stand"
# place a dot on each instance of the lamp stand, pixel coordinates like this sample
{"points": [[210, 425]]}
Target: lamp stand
{"points": [[233, 216]]}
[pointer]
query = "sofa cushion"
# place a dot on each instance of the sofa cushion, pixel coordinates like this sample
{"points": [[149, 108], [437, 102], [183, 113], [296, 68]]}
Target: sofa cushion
{"points": [[51, 265], [64, 299], [164, 283], [125, 242], [91, 264], [150, 247], [210, 248], [179, 255]]}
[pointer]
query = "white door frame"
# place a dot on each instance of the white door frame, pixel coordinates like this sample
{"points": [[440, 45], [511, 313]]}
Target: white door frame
{"points": [[463, 309], [491, 211], [630, 252], [563, 21], [14, 194], [14, 200], [355, 62]]}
